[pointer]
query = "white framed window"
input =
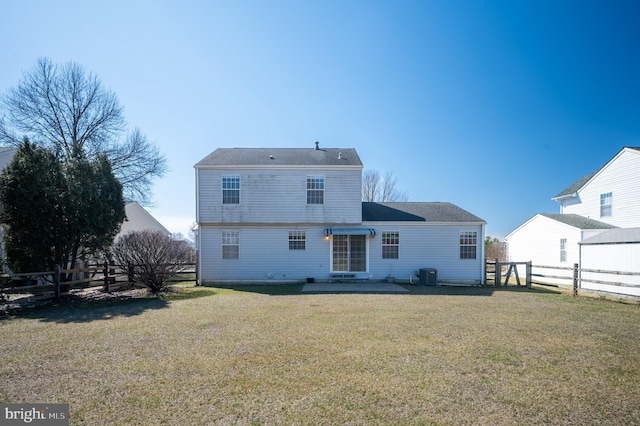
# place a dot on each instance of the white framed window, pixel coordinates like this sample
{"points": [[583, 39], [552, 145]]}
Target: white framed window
{"points": [[468, 244], [563, 249], [606, 204], [230, 244], [230, 189], [297, 240], [315, 189], [390, 244]]}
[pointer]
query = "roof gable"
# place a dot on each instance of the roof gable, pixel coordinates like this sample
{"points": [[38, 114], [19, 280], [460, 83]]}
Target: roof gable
{"points": [[416, 212], [576, 186], [280, 157]]}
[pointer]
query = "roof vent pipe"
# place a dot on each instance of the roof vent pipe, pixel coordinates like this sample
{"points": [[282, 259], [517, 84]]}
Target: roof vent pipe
{"points": [[317, 146]]}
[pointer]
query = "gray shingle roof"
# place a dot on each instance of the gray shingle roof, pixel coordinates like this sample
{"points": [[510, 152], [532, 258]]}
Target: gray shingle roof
{"points": [[578, 221], [615, 236], [265, 157], [416, 212], [575, 186]]}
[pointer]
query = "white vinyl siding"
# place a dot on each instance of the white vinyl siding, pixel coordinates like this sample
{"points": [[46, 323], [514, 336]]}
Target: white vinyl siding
{"points": [[426, 246], [264, 255], [537, 241], [621, 178], [279, 197], [611, 257]]}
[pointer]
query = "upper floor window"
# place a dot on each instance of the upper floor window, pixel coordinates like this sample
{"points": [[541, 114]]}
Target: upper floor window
{"points": [[230, 245], [230, 189], [563, 250], [606, 202], [390, 244], [297, 240], [468, 244], [315, 189]]}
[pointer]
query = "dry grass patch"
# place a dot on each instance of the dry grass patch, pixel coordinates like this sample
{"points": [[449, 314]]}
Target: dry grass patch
{"points": [[476, 356]]}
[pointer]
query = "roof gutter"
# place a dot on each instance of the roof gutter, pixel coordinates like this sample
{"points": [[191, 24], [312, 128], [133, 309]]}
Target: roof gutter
{"points": [[564, 197]]}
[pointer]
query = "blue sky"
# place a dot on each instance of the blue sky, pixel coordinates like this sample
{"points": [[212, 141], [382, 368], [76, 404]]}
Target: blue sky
{"points": [[495, 106]]}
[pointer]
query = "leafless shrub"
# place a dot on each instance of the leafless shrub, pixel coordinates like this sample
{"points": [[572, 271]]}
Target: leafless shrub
{"points": [[152, 257]]}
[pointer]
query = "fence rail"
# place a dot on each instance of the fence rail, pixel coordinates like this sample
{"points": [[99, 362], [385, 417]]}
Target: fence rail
{"points": [[572, 279], [50, 285]]}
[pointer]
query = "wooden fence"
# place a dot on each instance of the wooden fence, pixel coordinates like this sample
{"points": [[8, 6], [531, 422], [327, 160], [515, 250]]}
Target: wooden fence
{"points": [[48, 285], [569, 277]]}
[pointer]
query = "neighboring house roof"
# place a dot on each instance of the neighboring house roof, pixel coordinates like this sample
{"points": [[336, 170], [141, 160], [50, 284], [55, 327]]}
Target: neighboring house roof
{"points": [[279, 157], [578, 221], [6, 156], [577, 185], [614, 236], [416, 212], [138, 219]]}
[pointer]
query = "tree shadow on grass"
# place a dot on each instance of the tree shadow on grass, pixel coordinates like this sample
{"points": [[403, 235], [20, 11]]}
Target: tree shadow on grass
{"points": [[93, 311], [82, 308]]}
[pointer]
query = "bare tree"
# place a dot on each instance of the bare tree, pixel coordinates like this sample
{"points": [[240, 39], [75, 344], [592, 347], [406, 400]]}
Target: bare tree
{"points": [[152, 257], [381, 187], [68, 110], [495, 249]]}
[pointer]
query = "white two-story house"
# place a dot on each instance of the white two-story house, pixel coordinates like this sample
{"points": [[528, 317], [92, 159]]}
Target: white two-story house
{"points": [[598, 224], [295, 214]]}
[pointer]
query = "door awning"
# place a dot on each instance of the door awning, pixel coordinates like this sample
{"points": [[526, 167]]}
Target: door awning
{"points": [[350, 231]]}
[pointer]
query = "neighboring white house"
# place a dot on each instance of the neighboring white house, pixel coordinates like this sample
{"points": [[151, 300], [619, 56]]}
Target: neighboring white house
{"points": [[594, 204], [613, 250], [138, 219], [552, 240], [611, 194], [290, 214]]}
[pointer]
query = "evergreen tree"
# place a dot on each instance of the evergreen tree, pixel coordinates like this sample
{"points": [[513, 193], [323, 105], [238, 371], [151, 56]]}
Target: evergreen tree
{"points": [[54, 213]]}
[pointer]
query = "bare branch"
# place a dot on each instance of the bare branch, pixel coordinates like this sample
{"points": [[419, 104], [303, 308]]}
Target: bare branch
{"points": [[381, 188], [68, 110]]}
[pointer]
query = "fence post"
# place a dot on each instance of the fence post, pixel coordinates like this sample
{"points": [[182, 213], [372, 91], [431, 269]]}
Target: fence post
{"points": [[56, 283], [112, 271], [528, 274], [106, 276], [498, 274], [198, 269], [575, 280]]}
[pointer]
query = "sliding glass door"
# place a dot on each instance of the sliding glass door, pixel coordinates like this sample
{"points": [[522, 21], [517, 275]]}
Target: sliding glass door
{"points": [[349, 253]]}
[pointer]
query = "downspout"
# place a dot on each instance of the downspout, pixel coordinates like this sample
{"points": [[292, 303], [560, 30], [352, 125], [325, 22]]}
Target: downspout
{"points": [[580, 261], [198, 232], [483, 260]]}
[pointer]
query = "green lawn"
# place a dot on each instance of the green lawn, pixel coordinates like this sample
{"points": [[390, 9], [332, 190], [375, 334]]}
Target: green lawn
{"points": [[266, 355]]}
